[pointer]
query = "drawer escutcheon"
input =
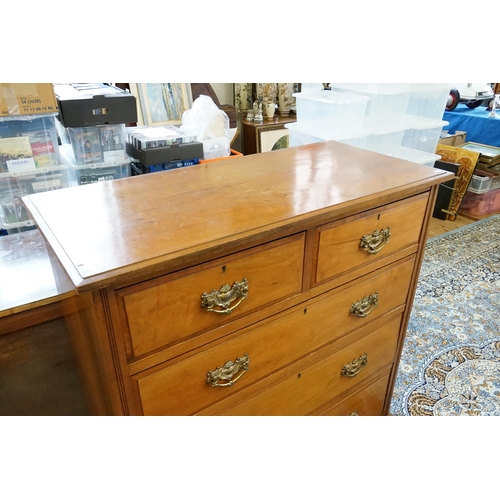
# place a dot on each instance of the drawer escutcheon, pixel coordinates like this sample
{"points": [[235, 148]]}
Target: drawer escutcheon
{"points": [[355, 366], [223, 297], [226, 372], [374, 242]]}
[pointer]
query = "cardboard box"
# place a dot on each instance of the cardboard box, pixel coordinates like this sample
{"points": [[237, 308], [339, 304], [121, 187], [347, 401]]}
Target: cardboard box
{"points": [[455, 139], [90, 104], [27, 99], [176, 152]]}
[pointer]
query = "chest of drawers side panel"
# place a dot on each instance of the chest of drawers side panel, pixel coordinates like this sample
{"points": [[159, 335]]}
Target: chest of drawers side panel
{"points": [[413, 286]]}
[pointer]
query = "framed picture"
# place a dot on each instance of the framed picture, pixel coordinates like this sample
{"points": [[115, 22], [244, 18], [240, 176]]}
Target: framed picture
{"points": [[272, 138], [162, 103], [488, 154]]}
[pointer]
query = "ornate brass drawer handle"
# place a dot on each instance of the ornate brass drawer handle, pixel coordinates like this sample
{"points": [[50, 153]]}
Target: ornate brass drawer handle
{"points": [[365, 306], [223, 297], [355, 366], [354, 414], [226, 373], [374, 242]]}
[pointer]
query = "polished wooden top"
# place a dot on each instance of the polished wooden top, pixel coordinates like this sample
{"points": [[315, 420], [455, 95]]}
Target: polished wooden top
{"points": [[110, 231], [28, 277]]}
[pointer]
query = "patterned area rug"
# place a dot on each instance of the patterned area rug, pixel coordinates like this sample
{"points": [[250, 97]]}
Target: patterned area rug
{"points": [[450, 363]]}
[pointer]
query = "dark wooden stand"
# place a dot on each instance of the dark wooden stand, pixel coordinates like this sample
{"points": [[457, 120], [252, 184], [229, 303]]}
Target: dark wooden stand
{"points": [[251, 131]]}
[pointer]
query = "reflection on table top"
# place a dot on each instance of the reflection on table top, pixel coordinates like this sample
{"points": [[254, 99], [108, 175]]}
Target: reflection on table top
{"points": [[28, 276]]}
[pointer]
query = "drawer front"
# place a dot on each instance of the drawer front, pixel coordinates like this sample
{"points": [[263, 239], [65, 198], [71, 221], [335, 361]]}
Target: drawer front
{"points": [[320, 383], [367, 402], [169, 309], [181, 388], [351, 243]]}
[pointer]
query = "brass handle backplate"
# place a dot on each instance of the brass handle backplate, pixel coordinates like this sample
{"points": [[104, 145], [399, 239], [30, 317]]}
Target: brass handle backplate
{"points": [[355, 366], [223, 376], [365, 306], [373, 243], [223, 297]]}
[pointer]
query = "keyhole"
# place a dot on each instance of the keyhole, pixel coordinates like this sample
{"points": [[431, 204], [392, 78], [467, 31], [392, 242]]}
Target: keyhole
{"points": [[298, 376], [378, 218], [305, 310], [223, 269]]}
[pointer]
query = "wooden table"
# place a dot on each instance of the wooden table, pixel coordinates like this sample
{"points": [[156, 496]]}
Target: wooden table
{"points": [[38, 369]]}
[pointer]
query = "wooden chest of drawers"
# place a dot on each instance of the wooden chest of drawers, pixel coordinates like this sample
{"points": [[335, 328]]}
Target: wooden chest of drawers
{"points": [[276, 284]]}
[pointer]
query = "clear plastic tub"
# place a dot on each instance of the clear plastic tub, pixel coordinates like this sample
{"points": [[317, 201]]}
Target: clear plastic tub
{"points": [[329, 112], [415, 156], [79, 175], [428, 100], [99, 144], [386, 99], [422, 133], [14, 186], [300, 134], [28, 142]]}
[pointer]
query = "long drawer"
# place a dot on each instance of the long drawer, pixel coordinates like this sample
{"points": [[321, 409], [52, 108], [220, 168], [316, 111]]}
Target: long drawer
{"points": [[322, 382], [181, 388], [168, 309], [369, 401], [350, 243]]}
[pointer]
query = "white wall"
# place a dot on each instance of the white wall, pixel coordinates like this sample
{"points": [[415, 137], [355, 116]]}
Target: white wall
{"points": [[224, 92]]}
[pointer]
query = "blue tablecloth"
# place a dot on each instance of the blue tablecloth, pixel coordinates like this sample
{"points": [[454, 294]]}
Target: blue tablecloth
{"points": [[476, 123]]}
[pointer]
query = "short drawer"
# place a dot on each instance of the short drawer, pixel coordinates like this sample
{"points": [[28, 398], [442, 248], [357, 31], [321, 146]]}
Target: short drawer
{"points": [[368, 402], [181, 388], [356, 241], [315, 386], [168, 309]]}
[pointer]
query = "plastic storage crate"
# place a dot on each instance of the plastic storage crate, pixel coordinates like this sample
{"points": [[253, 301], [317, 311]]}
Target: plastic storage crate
{"points": [[14, 186], [99, 144], [300, 134], [79, 175], [329, 112], [415, 156], [386, 99], [422, 133], [28, 142], [428, 100]]}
